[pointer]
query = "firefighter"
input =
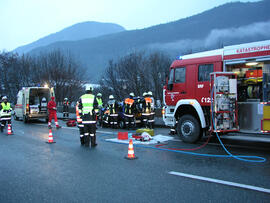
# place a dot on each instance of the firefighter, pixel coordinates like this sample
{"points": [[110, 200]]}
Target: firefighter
{"points": [[99, 100], [79, 123], [5, 110], [152, 117], [43, 105], [129, 111], [146, 110], [87, 105], [65, 108], [52, 113], [113, 112], [100, 107]]}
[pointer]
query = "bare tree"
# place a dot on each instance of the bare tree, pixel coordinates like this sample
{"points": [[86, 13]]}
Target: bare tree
{"points": [[136, 72]]}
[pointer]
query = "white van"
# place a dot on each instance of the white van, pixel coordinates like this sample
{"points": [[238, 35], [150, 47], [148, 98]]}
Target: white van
{"points": [[32, 103]]}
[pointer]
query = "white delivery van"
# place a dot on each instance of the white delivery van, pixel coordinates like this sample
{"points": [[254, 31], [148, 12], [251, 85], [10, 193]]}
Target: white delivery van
{"points": [[32, 103]]}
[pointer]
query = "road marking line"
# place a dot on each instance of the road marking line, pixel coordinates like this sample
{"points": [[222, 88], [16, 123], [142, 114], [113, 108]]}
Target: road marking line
{"points": [[249, 187]]}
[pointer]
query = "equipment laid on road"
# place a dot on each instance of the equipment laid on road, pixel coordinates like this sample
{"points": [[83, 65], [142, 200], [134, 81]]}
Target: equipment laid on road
{"points": [[50, 139], [149, 131], [9, 132], [122, 135], [32, 103], [71, 123], [131, 154], [143, 137]]}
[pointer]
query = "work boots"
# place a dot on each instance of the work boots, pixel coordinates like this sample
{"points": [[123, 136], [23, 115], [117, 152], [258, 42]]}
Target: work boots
{"points": [[82, 140], [93, 141], [86, 140]]}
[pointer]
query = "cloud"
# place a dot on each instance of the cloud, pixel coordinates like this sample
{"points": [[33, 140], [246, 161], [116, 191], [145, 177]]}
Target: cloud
{"points": [[218, 37], [261, 29]]}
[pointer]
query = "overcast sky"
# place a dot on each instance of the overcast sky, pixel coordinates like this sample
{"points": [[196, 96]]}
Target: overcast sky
{"points": [[24, 21]]}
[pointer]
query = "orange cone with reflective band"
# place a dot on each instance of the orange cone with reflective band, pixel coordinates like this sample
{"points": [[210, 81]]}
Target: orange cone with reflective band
{"points": [[50, 140], [131, 154], [9, 132]]}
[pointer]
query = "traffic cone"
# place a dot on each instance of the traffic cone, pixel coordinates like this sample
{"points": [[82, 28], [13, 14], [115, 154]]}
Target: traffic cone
{"points": [[50, 140], [9, 132], [131, 154]]}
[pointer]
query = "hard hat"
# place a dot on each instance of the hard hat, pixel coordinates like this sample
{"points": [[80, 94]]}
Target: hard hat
{"points": [[89, 88], [4, 97], [43, 99], [150, 93], [99, 95], [144, 94], [66, 99], [132, 94], [111, 97]]}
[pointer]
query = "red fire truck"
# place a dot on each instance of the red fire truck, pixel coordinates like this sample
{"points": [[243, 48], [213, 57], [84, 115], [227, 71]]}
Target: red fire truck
{"points": [[236, 97]]}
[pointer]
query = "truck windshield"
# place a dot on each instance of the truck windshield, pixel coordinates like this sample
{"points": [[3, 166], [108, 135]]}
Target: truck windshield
{"points": [[170, 81]]}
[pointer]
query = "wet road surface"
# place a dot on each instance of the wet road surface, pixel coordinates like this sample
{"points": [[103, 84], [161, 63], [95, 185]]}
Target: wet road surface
{"points": [[33, 171]]}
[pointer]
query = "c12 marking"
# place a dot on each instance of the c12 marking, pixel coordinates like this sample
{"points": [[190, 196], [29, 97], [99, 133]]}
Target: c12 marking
{"points": [[206, 100]]}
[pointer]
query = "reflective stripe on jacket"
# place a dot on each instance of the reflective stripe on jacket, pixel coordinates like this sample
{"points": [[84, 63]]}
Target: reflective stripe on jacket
{"points": [[128, 105], [78, 111], [87, 103], [148, 102], [6, 109], [99, 101]]}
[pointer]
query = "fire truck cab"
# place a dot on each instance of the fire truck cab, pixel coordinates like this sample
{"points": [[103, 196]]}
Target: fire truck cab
{"points": [[187, 93]]}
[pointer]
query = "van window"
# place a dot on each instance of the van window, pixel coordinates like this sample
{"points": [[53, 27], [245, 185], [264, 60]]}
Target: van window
{"points": [[204, 72], [180, 75]]}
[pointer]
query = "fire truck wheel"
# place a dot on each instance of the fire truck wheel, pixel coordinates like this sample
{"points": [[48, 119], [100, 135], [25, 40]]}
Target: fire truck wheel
{"points": [[189, 129]]}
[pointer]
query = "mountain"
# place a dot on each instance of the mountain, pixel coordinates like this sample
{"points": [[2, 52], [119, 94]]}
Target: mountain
{"points": [[227, 24], [75, 32]]}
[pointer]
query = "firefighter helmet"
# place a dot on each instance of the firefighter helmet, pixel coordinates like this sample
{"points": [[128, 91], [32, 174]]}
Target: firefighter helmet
{"points": [[111, 97], [99, 95], [144, 94], [89, 88], [132, 94], [150, 93]]}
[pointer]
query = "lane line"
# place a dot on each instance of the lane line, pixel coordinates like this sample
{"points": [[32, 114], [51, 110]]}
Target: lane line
{"points": [[223, 182]]}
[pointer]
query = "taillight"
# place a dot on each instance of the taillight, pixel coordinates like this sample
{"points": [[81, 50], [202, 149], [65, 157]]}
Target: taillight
{"points": [[27, 107], [163, 111]]}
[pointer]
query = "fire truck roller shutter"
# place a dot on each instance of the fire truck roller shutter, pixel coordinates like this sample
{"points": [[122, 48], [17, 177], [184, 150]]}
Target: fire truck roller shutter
{"points": [[196, 106]]}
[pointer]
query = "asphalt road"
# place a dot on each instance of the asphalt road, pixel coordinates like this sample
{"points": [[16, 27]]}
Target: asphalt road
{"points": [[33, 171]]}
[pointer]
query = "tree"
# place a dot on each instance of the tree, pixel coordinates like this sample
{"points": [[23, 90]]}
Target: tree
{"points": [[56, 69], [137, 72]]}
